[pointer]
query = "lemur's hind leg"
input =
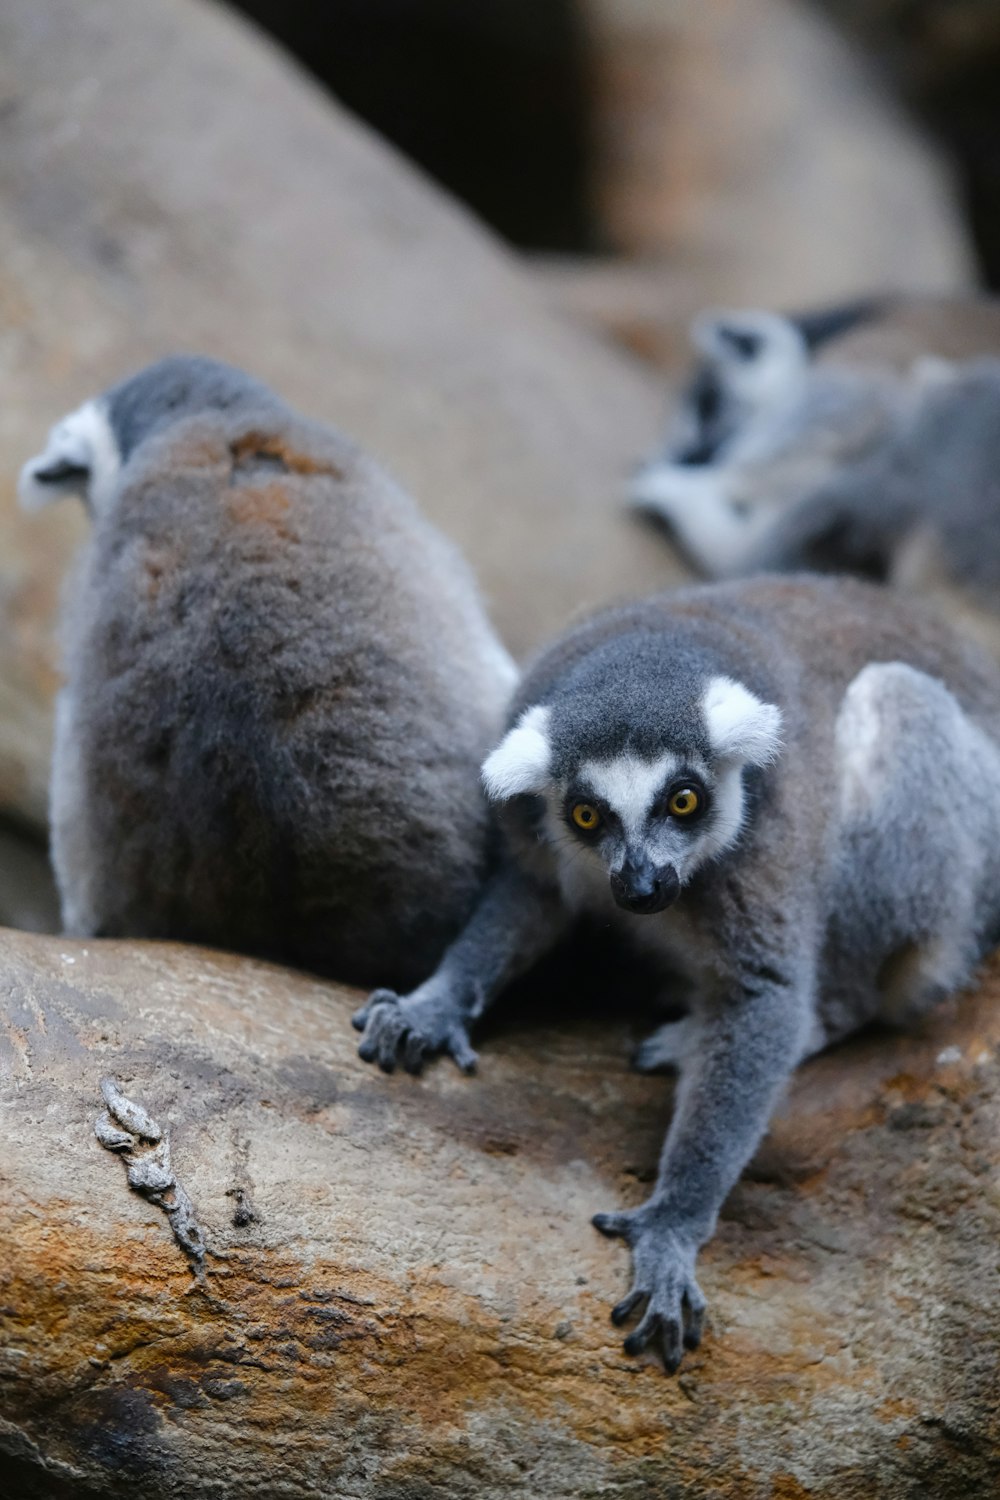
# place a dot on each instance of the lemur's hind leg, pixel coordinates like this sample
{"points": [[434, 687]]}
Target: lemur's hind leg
{"points": [[920, 807]]}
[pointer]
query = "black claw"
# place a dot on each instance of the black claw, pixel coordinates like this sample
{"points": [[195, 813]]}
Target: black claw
{"points": [[626, 1307], [695, 1326], [635, 1343], [670, 1341], [610, 1224], [413, 1053], [387, 1064]]}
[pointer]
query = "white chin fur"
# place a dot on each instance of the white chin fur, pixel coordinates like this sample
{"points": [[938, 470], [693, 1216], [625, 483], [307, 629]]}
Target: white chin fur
{"points": [[82, 444]]}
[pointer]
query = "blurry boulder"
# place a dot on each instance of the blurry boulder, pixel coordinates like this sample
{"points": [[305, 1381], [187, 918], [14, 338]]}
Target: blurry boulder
{"points": [[747, 139], [905, 329], [391, 1287], [943, 57], [168, 181], [748, 155]]}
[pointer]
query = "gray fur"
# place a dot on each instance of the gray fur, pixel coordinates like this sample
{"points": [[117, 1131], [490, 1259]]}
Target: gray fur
{"points": [[861, 880], [280, 683]]}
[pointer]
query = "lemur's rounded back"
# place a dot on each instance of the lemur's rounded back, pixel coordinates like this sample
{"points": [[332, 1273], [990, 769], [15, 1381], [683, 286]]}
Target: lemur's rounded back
{"points": [[280, 684]]}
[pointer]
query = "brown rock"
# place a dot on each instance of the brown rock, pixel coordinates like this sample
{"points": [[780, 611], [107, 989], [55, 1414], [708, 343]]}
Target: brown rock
{"points": [[401, 1294], [742, 142], [168, 181], [907, 328]]}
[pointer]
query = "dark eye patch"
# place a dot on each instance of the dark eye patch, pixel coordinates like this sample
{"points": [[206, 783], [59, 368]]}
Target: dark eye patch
{"points": [[61, 472], [746, 345]]}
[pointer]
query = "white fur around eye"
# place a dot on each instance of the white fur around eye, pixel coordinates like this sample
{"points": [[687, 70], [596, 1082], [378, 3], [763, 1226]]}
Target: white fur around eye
{"points": [[628, 784], [740, 726], [520, 763]]}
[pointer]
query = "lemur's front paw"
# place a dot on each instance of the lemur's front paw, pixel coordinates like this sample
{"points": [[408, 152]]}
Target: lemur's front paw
{"points": [[411, 1028], [662, 1278]]}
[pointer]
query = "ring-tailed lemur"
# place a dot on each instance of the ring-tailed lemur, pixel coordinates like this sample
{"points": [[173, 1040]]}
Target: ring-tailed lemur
{"points": [[789, 791], [778, 461], [281, 682]]}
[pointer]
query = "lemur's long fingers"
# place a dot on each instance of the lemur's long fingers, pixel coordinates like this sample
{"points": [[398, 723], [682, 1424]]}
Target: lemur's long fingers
{"points": [[361, 1016], [641, 1336], [414, 1052], [613, 1224], [381, 1039], [670, 1342], [391, 1034], [462, 1052], [627, 1306], [695, 1324]]}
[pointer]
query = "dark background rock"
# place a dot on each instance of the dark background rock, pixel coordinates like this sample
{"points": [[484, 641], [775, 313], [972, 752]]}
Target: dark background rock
{"points": [[943, 58]]}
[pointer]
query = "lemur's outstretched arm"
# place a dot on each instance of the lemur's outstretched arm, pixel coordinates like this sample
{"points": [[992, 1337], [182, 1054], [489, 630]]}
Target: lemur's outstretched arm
{"points": [[515, 923], [742, 1051]]}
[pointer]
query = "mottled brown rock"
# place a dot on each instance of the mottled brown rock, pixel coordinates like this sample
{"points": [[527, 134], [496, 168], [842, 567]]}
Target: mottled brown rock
{"points": [[402, 1294], [744, 143], [168, 181], [907, 328], [648, 308]]}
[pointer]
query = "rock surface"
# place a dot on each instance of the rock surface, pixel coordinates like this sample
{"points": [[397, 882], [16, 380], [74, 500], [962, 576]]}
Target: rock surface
{"points": [[169, 181], [401, 1294], [746, 144]]}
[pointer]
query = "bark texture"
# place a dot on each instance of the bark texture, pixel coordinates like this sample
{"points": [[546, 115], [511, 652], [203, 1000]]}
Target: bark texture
{"points": [[400, 1293]]}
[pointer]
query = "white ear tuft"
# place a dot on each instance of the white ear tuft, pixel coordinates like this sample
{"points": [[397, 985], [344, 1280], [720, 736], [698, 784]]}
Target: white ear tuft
{"points": [[520, 763], [741, 726], [80, 458], [747, 337]]}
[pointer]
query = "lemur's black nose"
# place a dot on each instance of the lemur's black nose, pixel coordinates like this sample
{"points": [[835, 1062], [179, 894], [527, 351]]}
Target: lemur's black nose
{"points": [[644, 888]]}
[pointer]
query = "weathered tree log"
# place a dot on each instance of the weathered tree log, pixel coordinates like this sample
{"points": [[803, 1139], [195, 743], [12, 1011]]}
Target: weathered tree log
{"points": [[168, 181], [400, 1293]]}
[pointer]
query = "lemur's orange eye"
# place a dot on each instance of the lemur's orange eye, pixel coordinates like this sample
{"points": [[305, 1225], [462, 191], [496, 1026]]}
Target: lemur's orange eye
{"points": [[586, 817], [683, 802]]}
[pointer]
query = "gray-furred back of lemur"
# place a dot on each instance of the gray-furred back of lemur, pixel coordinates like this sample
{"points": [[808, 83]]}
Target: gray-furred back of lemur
{"points": [[280, 684]]}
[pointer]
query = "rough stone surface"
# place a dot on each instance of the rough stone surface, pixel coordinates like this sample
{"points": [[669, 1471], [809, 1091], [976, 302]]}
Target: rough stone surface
{"points": [[169, 181], [910, 327], [647, 308], [746, 144], [402, 1295]]}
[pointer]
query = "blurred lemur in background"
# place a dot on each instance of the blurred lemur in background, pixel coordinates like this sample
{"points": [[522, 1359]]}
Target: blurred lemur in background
{"points": [[280, 684], [778, 459], [787, 793]]}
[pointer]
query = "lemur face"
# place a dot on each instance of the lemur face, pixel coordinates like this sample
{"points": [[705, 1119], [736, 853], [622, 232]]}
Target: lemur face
{"points": [[650, 821], [84, 453]]}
